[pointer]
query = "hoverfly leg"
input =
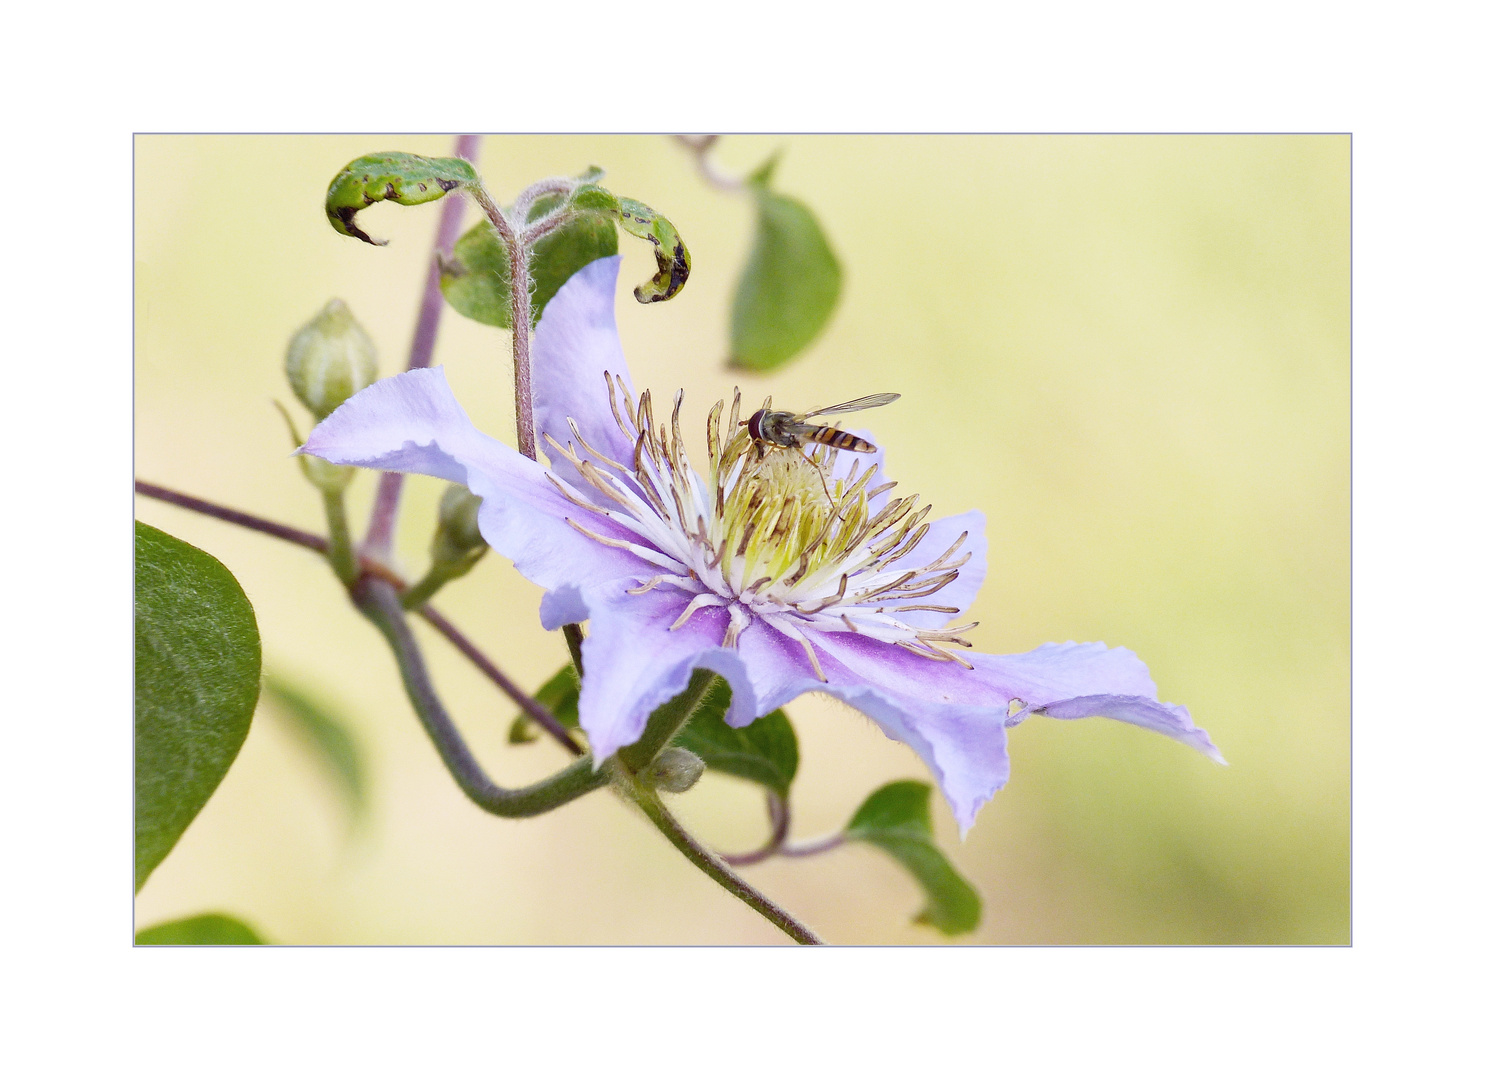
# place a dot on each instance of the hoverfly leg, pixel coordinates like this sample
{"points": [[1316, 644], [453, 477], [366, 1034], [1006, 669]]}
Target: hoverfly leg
{"points": [[823, 482]]}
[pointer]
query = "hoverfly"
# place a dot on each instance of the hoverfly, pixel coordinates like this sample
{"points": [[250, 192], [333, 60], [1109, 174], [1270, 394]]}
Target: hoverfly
{"points": [[772, 427], [776, 428]]}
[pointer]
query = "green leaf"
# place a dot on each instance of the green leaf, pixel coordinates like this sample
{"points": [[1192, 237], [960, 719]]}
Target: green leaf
{"points": [[789, 287], [671, 256], [327, 736], [408, 179], [560, 695], [765, 752], [476, 280], [196, 664], [214, 929], [895, 819]]}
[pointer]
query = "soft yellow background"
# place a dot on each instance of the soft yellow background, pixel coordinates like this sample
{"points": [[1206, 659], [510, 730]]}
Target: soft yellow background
{"points": [[1131, 352]]}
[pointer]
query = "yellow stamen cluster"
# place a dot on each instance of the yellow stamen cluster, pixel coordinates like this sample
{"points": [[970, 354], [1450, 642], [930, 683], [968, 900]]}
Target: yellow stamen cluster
{"points": [[772, 534]]}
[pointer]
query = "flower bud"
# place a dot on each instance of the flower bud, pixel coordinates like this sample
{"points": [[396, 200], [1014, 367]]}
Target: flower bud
{"points": [[329, 359], [674, 770], [458, 531], [329, 478]]}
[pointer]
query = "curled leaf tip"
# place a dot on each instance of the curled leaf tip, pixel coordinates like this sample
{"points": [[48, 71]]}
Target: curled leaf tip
{"points": [[671, 257], [408, 179]]}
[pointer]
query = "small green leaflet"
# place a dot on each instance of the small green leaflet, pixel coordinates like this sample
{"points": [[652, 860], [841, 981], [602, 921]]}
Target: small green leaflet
{"points": [[560, 695], [328, 738], [895, 819], [408, 179], [765, 752], [790, 285], [213, 929], [476, 279], [196, 663]]}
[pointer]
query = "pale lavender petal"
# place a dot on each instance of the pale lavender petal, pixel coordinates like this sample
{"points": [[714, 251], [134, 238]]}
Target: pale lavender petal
{"points": [[950, 711], [1167, 719], [633, 662], [937, 707], [576, 341], [411, 423], [1056, 672], [961, 592], [778, 668], [1072, 680]]}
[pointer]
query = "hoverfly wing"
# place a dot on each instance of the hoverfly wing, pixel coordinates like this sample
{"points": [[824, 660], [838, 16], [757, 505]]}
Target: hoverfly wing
{"points": [[870, 401]]}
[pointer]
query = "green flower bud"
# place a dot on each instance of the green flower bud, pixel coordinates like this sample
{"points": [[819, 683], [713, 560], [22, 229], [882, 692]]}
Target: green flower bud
{"points": [[458, 531], [674, 770], [329, 478], [329, 359]]}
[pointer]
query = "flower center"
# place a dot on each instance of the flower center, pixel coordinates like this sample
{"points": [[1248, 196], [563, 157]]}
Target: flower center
{"points": [[774, 533]]}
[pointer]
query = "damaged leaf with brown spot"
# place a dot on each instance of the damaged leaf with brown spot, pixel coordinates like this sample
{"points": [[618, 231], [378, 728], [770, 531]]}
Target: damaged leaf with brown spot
{"points": [[408, 179]]}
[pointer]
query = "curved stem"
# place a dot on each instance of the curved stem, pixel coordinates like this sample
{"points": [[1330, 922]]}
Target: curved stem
{"points": [[709, 864], [552, 185], [778, 814], [378, 601], [701, 148], [532, 708], [383, 523], [813, 847]]}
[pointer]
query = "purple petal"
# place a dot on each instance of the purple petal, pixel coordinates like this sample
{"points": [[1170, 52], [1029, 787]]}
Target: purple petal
{"points": [[411, 423], [576, 341], [938, 708], [954, 718], [961, 592], [1167, 719], [1071, 681], [633, 662]]}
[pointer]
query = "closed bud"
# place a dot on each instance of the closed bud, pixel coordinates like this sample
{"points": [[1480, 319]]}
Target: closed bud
{"points": [[329, 478], [674, 770], [329, 359], [458, 531]]}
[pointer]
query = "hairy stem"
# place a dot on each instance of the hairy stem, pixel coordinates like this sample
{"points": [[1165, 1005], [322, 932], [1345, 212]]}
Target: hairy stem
{"points": [[378, 602], [520, 329], [709, 864], [666, 721], [379, 532], [552, 185]]}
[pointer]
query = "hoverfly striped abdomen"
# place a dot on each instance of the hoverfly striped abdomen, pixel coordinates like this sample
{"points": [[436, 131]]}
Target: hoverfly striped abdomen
{"points": [[774, 427], [841, 440]]}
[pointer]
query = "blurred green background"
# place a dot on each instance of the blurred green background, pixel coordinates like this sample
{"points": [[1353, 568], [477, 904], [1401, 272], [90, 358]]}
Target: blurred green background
{"points": [[1131, 352]]}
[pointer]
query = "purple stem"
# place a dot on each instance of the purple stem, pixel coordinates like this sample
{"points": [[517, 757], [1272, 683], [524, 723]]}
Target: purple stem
{"points": [[778, 813], [236, 517], [378, 542]]}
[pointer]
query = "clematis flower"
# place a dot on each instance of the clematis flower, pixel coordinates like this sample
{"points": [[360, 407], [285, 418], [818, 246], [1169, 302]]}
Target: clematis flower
{"points": [[782, 572]]}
